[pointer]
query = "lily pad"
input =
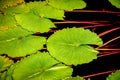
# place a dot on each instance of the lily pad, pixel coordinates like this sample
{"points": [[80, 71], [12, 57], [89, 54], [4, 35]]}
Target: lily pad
{"points": [[17, 47], [115, 3], [13, 33], [10, 3], [5, 63], [72, 45], [34, 23], [67, 4], [40, 66], [114, 76], [42, 9], [16, 10], [7, 21], [3, 76]]}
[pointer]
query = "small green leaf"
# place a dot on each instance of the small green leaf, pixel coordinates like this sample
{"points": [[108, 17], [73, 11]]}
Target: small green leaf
{"points": [[114, 76], [40, 66], [42, 9], [7, 21], [34, 23], [71, 46], [5, 63], [10, 3], [67, 4], [21, 46], [115, 3]]}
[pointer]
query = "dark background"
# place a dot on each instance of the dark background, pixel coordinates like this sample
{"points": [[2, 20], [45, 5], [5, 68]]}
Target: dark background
{"points": [[102, 64]]}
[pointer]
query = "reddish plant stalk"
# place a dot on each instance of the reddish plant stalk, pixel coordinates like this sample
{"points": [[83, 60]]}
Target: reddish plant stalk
{"points": [[106, 54], [108, 31], [98, 74], [108, 42], [94, 11]]}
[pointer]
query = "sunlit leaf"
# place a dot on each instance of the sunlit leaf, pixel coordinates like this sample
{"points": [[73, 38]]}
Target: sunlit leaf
{"points": [[115, 3], [67, 4], [40, 66], [71, 45], [114, 76], [21, 46], [13, 33], [74, 78], [10, 3], [4, 63], [34, 23], [44, 10], [6, 21]]}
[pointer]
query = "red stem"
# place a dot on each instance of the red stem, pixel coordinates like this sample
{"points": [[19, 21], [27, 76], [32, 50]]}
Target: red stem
{"points": [[98, 11], [98, 74], [106, 54], [108, 31]]}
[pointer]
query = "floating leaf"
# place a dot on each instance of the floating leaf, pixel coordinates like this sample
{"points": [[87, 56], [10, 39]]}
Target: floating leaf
{"points": [[71, 46], [7, 21], [44, 10], [114, 76], [40, 66], [34, 23], [21, 46], [74, 78], [115, 3], [3, 76], [67, 4], [10, 3], [13, 33], [16, 10], [5, 63]]}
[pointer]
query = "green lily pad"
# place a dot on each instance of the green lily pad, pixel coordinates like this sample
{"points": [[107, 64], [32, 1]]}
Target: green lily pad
{"points": [[114, 76], [40, 66], [16, 10], [13, 33], [3, 76], [10, 3], [7, 21], [42, 9], [67, 4], [21, 46], [4, 63], [72, 45], [115, 3], [34, 23]]}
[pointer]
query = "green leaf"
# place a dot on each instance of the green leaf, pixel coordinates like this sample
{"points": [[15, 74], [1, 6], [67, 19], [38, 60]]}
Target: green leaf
{"points": [[3, 76], [16, 10], [67, 4], [74, 78], [114, 76], [21, 46], [10, 3], [34, 23], [40, 66], [5, 63], [13, 33], [44, 10], [71, 45], [115, 3], [7, 21]]}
